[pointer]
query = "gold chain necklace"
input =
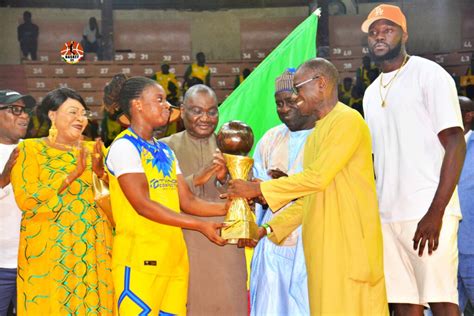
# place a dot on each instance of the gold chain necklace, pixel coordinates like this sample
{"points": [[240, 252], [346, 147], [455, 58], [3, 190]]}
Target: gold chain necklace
{"points": [[389, 83], [66, 147]]}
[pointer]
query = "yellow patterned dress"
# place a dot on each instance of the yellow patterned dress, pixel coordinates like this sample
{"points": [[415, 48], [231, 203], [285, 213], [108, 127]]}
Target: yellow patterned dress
{"points": [[64, 260]]}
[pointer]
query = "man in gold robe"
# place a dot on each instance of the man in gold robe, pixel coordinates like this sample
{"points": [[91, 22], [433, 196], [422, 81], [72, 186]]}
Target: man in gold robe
{"points": [[336, 202]]}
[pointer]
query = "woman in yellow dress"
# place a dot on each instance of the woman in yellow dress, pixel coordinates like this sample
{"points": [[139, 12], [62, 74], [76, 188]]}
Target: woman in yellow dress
{"points": [[64, 261]]}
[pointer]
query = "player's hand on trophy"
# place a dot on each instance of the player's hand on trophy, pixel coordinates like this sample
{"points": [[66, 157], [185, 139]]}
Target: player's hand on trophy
{"points": [[261, 232], [212, 231]]}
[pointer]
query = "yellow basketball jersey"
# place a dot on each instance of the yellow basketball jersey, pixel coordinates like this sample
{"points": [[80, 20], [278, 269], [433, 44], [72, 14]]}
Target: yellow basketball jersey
{"points": [[164, 80], [199, 72], [139, 242]]}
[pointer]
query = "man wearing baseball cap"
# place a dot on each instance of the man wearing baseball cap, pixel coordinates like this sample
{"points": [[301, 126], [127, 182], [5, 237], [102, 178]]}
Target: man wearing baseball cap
{"points": [[413, 113], [15, 110]]}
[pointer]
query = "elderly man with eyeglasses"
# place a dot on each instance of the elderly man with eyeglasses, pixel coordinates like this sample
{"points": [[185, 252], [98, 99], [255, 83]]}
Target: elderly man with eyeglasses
{"points": [[335, 202], [217, 278], [15, 110]]}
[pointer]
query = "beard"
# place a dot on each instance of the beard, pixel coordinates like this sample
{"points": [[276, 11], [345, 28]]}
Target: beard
{"points": [[391, 54]]}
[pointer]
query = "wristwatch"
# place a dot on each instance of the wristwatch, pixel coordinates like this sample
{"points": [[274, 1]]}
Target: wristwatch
{"points": [[218, 184]]}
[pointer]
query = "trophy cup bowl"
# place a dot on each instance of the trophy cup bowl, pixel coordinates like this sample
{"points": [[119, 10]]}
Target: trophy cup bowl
{"points": [[235, 140]]}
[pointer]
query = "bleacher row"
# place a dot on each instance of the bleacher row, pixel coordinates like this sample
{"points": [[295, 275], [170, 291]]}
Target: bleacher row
{"points": [[90, 77], [254, 55], [104, 70], [143, 55], [348, 59]]}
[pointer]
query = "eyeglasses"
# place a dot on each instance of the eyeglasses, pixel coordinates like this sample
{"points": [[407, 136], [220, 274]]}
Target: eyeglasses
{"points": [[18, 109], [76, 113], [196, 111], [296, 87]]}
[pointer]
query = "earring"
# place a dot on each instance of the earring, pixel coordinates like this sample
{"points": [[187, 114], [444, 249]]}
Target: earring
{"points": [[53, 133]]}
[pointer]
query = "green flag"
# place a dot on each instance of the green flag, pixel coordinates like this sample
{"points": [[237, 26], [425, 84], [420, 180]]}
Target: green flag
{"points": [[253, 102]]}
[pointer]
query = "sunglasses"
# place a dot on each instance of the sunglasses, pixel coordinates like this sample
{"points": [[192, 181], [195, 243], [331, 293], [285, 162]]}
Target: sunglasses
{"points": [[296, 87], [18, 109]]}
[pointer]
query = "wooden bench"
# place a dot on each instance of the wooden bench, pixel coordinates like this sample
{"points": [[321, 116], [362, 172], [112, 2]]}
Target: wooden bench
{"points": [[222, 94], [347, 65], [84, 84], [40, 84], [467, 44], [91, 98], [456, 71], [153, 57], [37, 70], [79, 84], [449, 58], [133, 57], [232, 68], [342, 52], [255, 55], [223, 82], [65, 70]]}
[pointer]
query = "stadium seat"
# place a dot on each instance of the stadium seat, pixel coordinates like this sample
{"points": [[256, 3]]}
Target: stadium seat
{"points": [[40, 84], [347, 65], [222, 94], [222, 82], [341, 52]]}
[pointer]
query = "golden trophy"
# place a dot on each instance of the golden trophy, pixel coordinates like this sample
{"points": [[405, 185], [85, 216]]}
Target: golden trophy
{"points": [[235, 140]]}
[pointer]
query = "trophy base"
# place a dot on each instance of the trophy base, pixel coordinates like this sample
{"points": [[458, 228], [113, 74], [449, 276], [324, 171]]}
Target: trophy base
{"points": [[239, 230]]}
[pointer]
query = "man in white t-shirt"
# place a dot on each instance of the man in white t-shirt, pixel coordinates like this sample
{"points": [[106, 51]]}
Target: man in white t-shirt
{"points": [[14, 118], [412, 110]]}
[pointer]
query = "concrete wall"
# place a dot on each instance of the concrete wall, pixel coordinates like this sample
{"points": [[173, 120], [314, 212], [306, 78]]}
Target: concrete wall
{"points": [[216, 33], [433, 25], [12, 17]]}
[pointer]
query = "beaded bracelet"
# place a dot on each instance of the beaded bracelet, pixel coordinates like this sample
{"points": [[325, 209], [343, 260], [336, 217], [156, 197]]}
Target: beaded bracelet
{"points": [[268, 228]]}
